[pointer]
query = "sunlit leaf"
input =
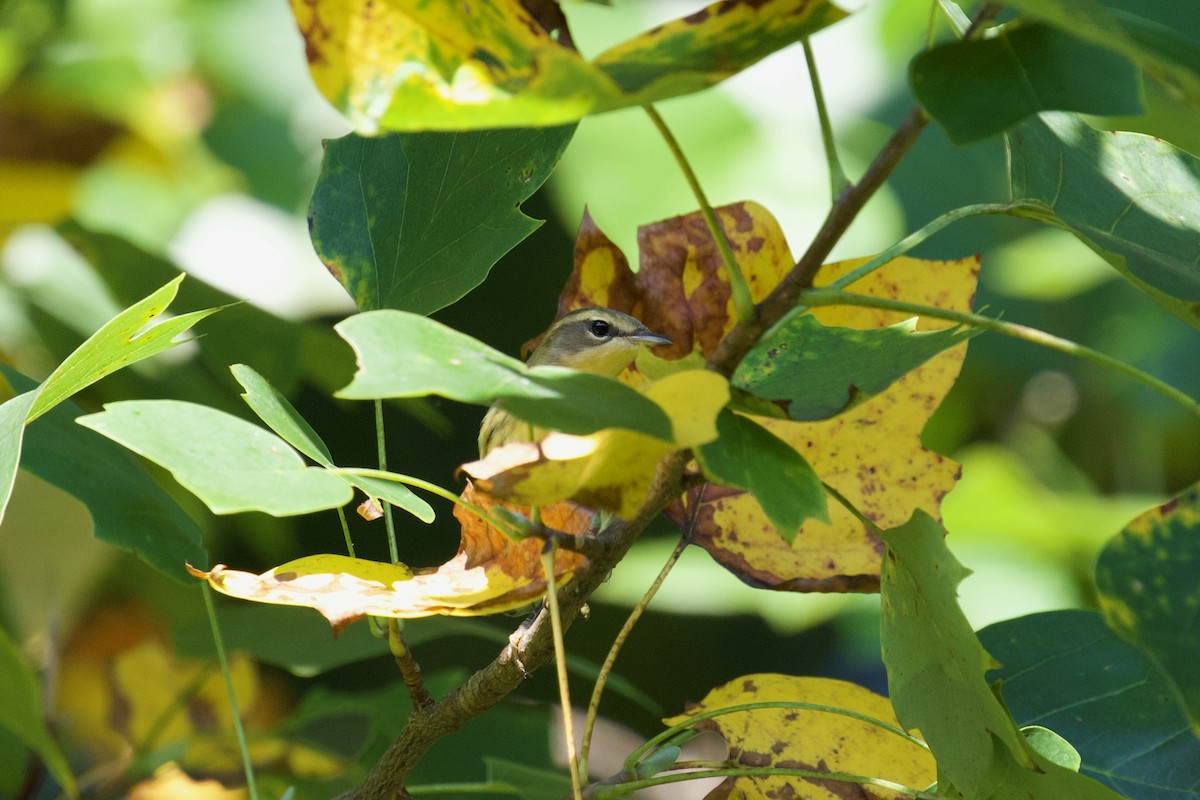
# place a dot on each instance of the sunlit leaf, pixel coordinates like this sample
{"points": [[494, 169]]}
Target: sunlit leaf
{"points": [[486, 577], [123, 340], [12, 435], [977, 88], [748, 456], [872, 454], [1132, 198], [415, 221], [406, 355], [817, 371], [408, 65], [21, 713], [275, 410], [128, 507], [242, 332], [227, 462], [936, 669], [810, 739], [1068, 671], [611, 470], [1149, 594]]}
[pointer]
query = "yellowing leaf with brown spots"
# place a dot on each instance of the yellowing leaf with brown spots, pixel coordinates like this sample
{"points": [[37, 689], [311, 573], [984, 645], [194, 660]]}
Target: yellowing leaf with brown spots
{"points": [[490, 574], [610, 470], [872, 454], [448, 65], [120, 687], [802, 739]]}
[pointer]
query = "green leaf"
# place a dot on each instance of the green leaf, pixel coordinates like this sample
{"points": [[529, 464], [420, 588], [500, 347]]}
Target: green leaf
{"points": [[406, 355], [748, 456], [415, 221], [977, 88], [1068, 671], [128, 508], [526, 782], [819, 371], [121, 342], [936, 668], [1162, 38], [21, 714], [243, 332], [227, 462], [415, 65], [13, 413], [283, 418], [1149, 593], [1052, 746], [1132, 198]]}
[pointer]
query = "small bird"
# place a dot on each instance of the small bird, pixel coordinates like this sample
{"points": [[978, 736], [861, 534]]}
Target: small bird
{"points": [[598, 340]]}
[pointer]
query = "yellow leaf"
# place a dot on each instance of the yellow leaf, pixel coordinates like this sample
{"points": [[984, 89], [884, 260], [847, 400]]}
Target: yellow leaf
{"points": [[816, 740], [482, 578], [172, 783], [613, 469], [872, 454]]}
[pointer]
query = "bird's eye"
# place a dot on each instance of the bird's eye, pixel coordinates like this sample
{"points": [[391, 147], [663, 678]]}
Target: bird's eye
{"points": [[599, 328]]}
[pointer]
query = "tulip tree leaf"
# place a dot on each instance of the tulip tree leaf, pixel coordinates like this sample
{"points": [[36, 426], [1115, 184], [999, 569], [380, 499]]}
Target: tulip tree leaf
{"points": [[409, 65], [283, 418], [1146, 577], [243, 331], [818, 371], [977, 88], [750, 457], [936, 668], [1162, 38], [407, 355], [12, 435], [128, 508], [122, 341], [227, 462], [1067, 671], [1132, 198], [415, 221]]}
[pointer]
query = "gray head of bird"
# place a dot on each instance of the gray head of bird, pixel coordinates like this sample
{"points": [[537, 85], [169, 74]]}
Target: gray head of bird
{"points": [[598, 340]]}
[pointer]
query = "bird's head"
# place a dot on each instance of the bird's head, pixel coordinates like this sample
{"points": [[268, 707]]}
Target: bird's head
{"points": [[598, 340]]}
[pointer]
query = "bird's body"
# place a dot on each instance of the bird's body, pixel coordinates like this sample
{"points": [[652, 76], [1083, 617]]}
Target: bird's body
{"points": [[597, 340]]}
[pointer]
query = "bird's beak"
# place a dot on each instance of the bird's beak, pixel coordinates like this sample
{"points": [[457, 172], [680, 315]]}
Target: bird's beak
{"points": [[650, 339]]}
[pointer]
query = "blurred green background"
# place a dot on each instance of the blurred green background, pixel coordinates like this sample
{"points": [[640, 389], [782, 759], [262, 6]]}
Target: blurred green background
{"points": [[190, 129]]}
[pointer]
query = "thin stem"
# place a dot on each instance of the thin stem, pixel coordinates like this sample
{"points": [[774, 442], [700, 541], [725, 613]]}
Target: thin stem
{"points": [[634, 615], [223, 660], [726, 771], [637, 755], [743, 304], [346, 531], [846, 504], [409, 669], [913, 239], [837, 176], [381, 447], [560, 663], [432, 488], [828, 297]]}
